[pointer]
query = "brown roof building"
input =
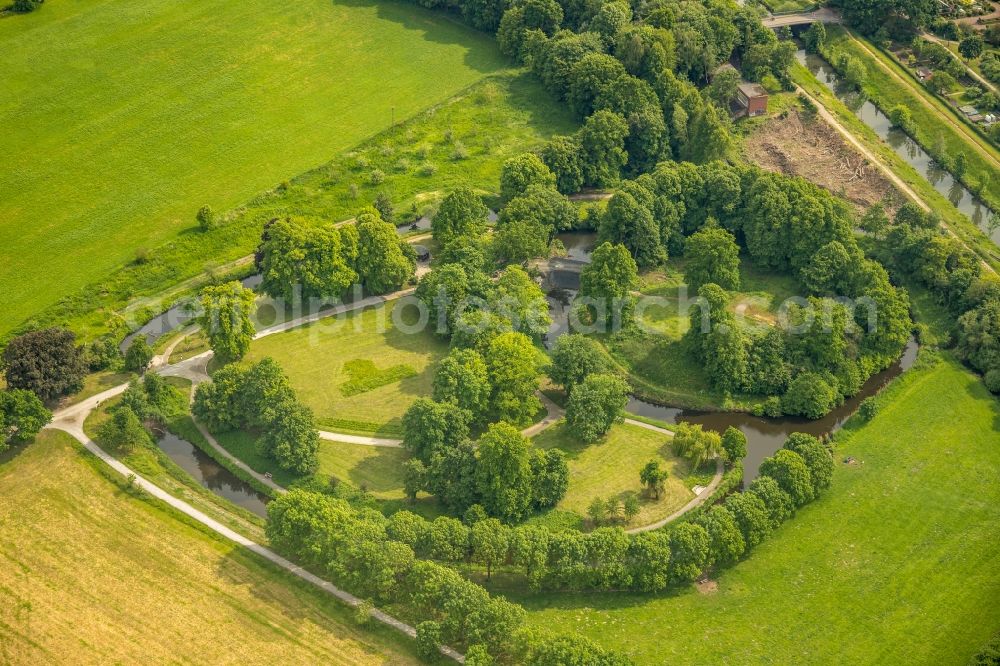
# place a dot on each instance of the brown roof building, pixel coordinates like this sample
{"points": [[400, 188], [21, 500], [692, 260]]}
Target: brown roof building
{"points": [[752, 98]]}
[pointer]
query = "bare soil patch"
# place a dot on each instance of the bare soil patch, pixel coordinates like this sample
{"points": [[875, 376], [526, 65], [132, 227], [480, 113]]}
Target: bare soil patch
{"points": [[707, 586], [802, 145]]}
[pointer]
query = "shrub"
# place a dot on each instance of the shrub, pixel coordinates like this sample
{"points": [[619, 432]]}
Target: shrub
{"points": [[138, 355], [992, 381], [868, 409], [376, 177], [428, 639], [205, 218], [25, 6], [428, 169]]}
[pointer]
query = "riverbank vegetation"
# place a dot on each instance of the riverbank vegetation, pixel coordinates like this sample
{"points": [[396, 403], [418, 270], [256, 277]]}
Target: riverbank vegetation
{"points": [[936, 126], [887, 566], [959, 224]]}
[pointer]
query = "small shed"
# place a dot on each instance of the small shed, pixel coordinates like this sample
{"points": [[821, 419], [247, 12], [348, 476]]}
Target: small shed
{"points": [[753, 98], [976, 118], [969, 110], [923, 73]]}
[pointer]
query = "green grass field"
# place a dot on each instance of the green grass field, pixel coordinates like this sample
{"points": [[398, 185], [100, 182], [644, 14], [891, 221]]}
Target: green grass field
{"points": [[123, 117], [610, 468], [314, 358], [501, 116], [92, 574], [895, 564]]}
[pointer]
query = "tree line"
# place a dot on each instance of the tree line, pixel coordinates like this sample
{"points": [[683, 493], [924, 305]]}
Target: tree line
{"points": [[915, 246], [329, 532], [258, 398], [370, 555]]}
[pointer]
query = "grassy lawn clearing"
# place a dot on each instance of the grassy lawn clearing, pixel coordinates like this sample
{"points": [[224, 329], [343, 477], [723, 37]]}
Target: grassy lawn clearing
{"points": [[94, 574], [319, 360], [610, 468], [123, 117], [895, 564], [660, 368]]}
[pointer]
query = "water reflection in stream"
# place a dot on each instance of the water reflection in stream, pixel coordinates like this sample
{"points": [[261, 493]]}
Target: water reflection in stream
{"points": [[901, 143], [211, 474]]}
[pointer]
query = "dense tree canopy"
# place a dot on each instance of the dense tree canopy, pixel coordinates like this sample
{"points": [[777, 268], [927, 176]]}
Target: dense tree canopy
{"points": [[712, 256], [297, 259], [462, 379], [504, 473], [608, 282], [595, 405], [431, 427], [22, 416], [225, 320], [513, 364], [574, 357], [46, 362], [384, 262], [462, 213]]}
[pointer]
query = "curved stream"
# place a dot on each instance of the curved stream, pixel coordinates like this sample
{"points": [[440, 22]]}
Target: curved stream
{"points": [[211, 474], [764, 435]]}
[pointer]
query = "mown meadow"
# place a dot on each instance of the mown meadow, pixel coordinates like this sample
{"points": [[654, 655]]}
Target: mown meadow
{"points": [[887, 567], [97, 574], [131, 115]]}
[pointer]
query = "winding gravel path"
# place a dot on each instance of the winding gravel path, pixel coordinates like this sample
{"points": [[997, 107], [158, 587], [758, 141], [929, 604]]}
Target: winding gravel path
{"points": [[71, 420]]}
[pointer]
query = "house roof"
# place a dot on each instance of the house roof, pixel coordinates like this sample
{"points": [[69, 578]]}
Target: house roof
{"points": [[968, 110], [752, 90]]}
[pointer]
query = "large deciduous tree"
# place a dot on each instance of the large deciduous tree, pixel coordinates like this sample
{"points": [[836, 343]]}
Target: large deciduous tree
{"points": [[712, 256], [521, 172], [602, 148], [383, 263], [431, 427], [46, 362], [608, 282], [513, 363], [22, 416], [462, 213], [574, 357], [595, 405], [504, 473], [299, 258], [789, 469], [225, 320], [463, 379], [631, 224], [522, 302]]}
